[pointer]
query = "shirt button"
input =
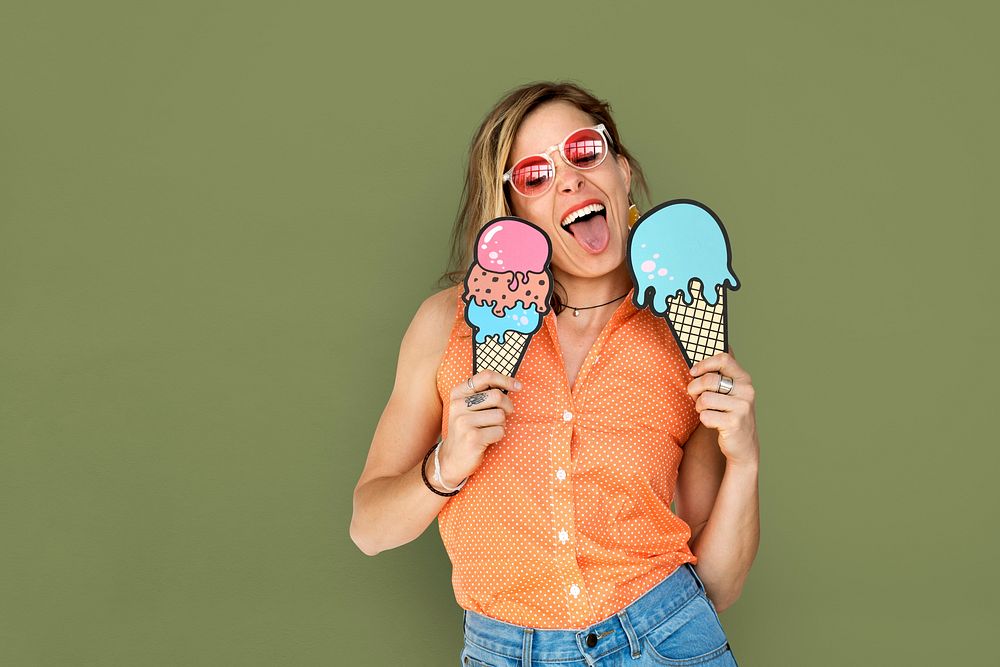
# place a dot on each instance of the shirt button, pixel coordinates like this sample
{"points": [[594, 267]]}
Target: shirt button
{"points": [[574, 590], [563, 536], [567, 416], [560, 474]]}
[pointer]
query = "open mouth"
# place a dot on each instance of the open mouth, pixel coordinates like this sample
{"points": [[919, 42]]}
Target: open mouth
{"points": [[588, 224]]}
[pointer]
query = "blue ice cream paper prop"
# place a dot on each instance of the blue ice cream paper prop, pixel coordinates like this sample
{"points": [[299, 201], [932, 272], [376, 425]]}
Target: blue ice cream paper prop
{"points": [[681, 265]]}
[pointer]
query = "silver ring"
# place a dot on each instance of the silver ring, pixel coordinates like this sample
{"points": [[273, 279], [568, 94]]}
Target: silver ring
{"points": [[726, 384], [469, 384]]}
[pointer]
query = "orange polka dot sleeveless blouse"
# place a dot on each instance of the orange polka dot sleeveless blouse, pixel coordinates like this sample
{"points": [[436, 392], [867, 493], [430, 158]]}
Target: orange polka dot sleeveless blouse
{"points": [[568, 518]]}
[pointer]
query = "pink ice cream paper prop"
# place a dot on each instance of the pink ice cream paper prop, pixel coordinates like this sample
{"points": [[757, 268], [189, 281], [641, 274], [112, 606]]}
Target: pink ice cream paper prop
{"points": [[507, 292], [681, 265]]}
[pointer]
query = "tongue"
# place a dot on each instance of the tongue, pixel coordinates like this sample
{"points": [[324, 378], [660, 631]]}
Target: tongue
{"points": [[592, 234]]}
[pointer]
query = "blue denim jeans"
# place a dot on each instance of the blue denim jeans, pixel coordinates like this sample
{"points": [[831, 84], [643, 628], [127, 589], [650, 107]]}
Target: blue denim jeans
{"points": [[673, 624]]}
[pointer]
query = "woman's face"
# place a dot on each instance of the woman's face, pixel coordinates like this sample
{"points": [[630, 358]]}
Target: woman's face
{"points": [[593, 245]]}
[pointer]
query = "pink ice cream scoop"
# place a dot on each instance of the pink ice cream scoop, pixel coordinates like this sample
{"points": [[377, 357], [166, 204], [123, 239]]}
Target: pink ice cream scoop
{"points": [[507, 244]]}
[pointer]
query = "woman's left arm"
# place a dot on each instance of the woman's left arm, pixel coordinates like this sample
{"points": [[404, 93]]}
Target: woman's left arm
{"points": [[717, 480]]}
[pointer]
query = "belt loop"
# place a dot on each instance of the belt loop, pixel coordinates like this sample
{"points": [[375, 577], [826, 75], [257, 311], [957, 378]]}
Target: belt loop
{"points": [[633, 638], [526, 647]]}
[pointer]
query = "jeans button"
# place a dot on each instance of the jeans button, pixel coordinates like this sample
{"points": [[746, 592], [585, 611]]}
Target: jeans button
{"points": [[591, 640]]}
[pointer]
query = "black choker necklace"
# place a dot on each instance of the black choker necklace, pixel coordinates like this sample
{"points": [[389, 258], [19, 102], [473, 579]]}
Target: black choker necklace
{"points": [[577, 309]]}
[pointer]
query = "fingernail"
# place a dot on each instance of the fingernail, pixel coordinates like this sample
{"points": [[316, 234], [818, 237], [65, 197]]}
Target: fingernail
{"points": [[517, 384]]}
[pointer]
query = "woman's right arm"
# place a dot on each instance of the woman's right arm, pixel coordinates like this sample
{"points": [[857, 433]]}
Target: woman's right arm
{"points": [[392, 506]]}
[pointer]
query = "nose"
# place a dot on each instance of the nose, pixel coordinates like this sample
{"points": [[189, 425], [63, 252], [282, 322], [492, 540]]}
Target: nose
{"points": [[568, 179]]}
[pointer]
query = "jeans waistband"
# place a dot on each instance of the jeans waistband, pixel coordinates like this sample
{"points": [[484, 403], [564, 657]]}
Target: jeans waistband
{"points": [[623, 630]]}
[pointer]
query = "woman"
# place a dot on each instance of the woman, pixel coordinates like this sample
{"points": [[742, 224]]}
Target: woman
{"points": [[553, 490]]}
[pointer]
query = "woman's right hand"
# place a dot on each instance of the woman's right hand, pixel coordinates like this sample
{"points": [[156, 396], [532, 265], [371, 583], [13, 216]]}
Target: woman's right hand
{"points": [[476, 418]]}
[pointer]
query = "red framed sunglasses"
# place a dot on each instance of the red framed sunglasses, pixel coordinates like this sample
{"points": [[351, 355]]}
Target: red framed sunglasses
{"points": [[583, 149]]}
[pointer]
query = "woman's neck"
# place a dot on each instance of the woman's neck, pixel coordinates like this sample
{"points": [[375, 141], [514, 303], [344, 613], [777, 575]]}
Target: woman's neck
{"points": [[581, 292]]}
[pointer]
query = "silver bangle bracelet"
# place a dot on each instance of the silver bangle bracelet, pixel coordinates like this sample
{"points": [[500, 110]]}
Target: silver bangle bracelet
{"points": [[437, 472]]}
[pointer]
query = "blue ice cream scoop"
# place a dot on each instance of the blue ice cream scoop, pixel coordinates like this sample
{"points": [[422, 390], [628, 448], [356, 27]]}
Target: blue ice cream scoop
{"points": [[672, 244], [515, 318]]}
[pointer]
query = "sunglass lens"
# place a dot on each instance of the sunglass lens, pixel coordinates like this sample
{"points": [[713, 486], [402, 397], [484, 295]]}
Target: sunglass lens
{"points": [[531, 176], [585, 149]]}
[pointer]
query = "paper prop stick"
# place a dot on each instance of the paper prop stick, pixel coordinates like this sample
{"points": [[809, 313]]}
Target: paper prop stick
{"points": [[680, 261], [507, 291]]}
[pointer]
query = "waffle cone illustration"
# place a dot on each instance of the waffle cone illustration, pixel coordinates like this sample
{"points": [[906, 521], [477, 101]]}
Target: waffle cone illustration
{"points": [[507, 291], [500, 357], [680, 262], [700, 328]]}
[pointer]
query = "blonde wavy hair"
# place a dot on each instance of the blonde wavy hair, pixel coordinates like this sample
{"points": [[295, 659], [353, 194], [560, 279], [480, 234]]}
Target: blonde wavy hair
{"points": [[484, 196]]}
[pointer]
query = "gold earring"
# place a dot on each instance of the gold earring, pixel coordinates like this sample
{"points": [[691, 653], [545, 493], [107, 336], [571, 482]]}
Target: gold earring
{"points": [[633, 215]]}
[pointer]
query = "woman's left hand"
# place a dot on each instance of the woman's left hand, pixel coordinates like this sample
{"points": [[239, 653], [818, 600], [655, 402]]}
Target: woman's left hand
{"points": [[732, 414]]}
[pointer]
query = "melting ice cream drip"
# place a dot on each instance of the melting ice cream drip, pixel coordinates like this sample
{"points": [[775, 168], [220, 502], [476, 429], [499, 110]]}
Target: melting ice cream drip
{"points": [[518, 317]]}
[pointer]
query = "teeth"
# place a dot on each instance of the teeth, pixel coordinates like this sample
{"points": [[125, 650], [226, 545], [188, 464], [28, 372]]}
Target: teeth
{"points": [[579, 213]]}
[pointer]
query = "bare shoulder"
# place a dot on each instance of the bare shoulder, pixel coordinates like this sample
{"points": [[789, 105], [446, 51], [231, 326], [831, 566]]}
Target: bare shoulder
{"points": [[438, 310], [433, 321], [427, 336]]}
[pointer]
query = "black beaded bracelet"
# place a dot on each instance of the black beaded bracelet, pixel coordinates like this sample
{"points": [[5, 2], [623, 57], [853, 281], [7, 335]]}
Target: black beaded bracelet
{"points": [[423, 474]]}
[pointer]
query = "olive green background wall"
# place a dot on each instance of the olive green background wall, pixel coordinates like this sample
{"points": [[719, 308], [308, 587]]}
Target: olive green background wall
{"points": [[218, 218]]}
